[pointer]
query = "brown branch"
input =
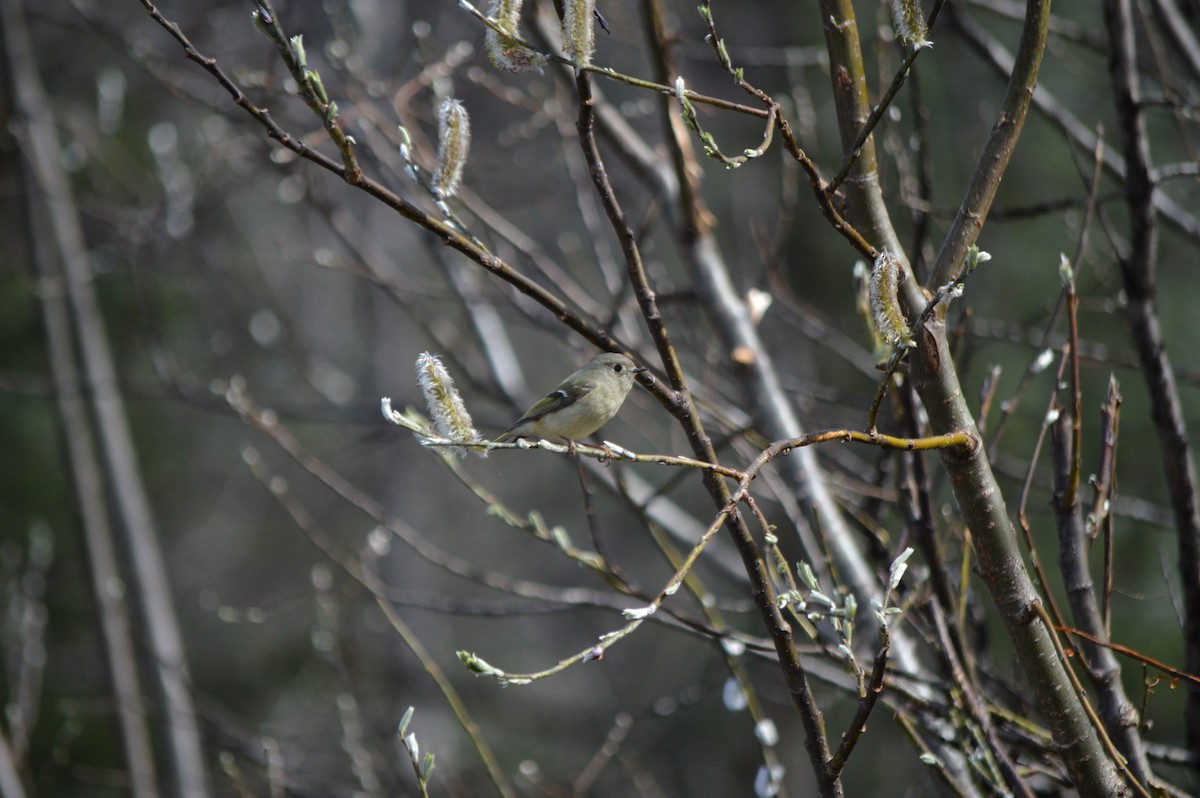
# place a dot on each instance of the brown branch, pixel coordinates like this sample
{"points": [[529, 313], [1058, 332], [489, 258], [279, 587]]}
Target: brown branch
{"points": [[857, 726], [998, 150], [1080, 134], [1052, 409], [739, 332], [823, 195], [1174, 673], [683, 409], [881, 107], [1111, 753], [865, 207], [1138, 276], [917, 504], [970, 473], [976, 706], [587, 329], [1104, 488], [1076, 418], [1116, 711]]}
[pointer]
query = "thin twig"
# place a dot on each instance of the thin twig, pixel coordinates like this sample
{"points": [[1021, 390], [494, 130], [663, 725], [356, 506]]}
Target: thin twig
{"points": [[588, 329], [858, 724], [881, 107]]}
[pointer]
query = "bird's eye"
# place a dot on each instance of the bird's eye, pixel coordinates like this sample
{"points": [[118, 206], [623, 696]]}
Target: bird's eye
{"points": [[618, 368]]}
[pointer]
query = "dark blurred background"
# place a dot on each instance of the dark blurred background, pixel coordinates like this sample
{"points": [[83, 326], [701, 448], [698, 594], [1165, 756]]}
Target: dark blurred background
{"points": [[216, 255]]}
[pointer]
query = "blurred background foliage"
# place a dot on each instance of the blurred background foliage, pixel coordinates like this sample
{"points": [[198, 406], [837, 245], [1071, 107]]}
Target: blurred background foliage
{"points": [[217, 254]]}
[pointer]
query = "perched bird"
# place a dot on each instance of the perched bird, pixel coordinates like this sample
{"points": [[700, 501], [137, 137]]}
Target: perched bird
{"points": [[581, 404]]}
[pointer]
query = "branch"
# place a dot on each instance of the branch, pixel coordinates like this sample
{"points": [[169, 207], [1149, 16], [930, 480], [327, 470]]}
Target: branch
{"points": [[587, 329], [1057, 114], [858, 724], [1117, 712], [740, 334], [881, 107], [1138, 275], [993, 161], [970, 473], [866, 209], [683, 409]]}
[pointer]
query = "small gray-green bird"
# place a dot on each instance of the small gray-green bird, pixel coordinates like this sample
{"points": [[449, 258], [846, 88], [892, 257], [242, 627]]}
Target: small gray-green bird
{"points": [[581, 404]]}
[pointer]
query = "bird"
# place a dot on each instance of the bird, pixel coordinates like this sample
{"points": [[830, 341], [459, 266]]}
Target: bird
{"points": [[581, 404]]}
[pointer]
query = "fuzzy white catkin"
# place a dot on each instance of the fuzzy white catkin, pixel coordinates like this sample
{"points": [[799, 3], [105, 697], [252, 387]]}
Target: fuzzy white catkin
{"points": [[579, 30], [505, 50], [454, 141], [910, 22], [889, 320], [446, 409]]}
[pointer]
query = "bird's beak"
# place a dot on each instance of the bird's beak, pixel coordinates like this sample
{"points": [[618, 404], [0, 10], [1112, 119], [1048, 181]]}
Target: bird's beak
{"points": [[640, 369]]}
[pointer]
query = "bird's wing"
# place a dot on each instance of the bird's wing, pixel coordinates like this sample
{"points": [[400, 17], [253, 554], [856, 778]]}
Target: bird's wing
{"points": [[552, 402]]}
